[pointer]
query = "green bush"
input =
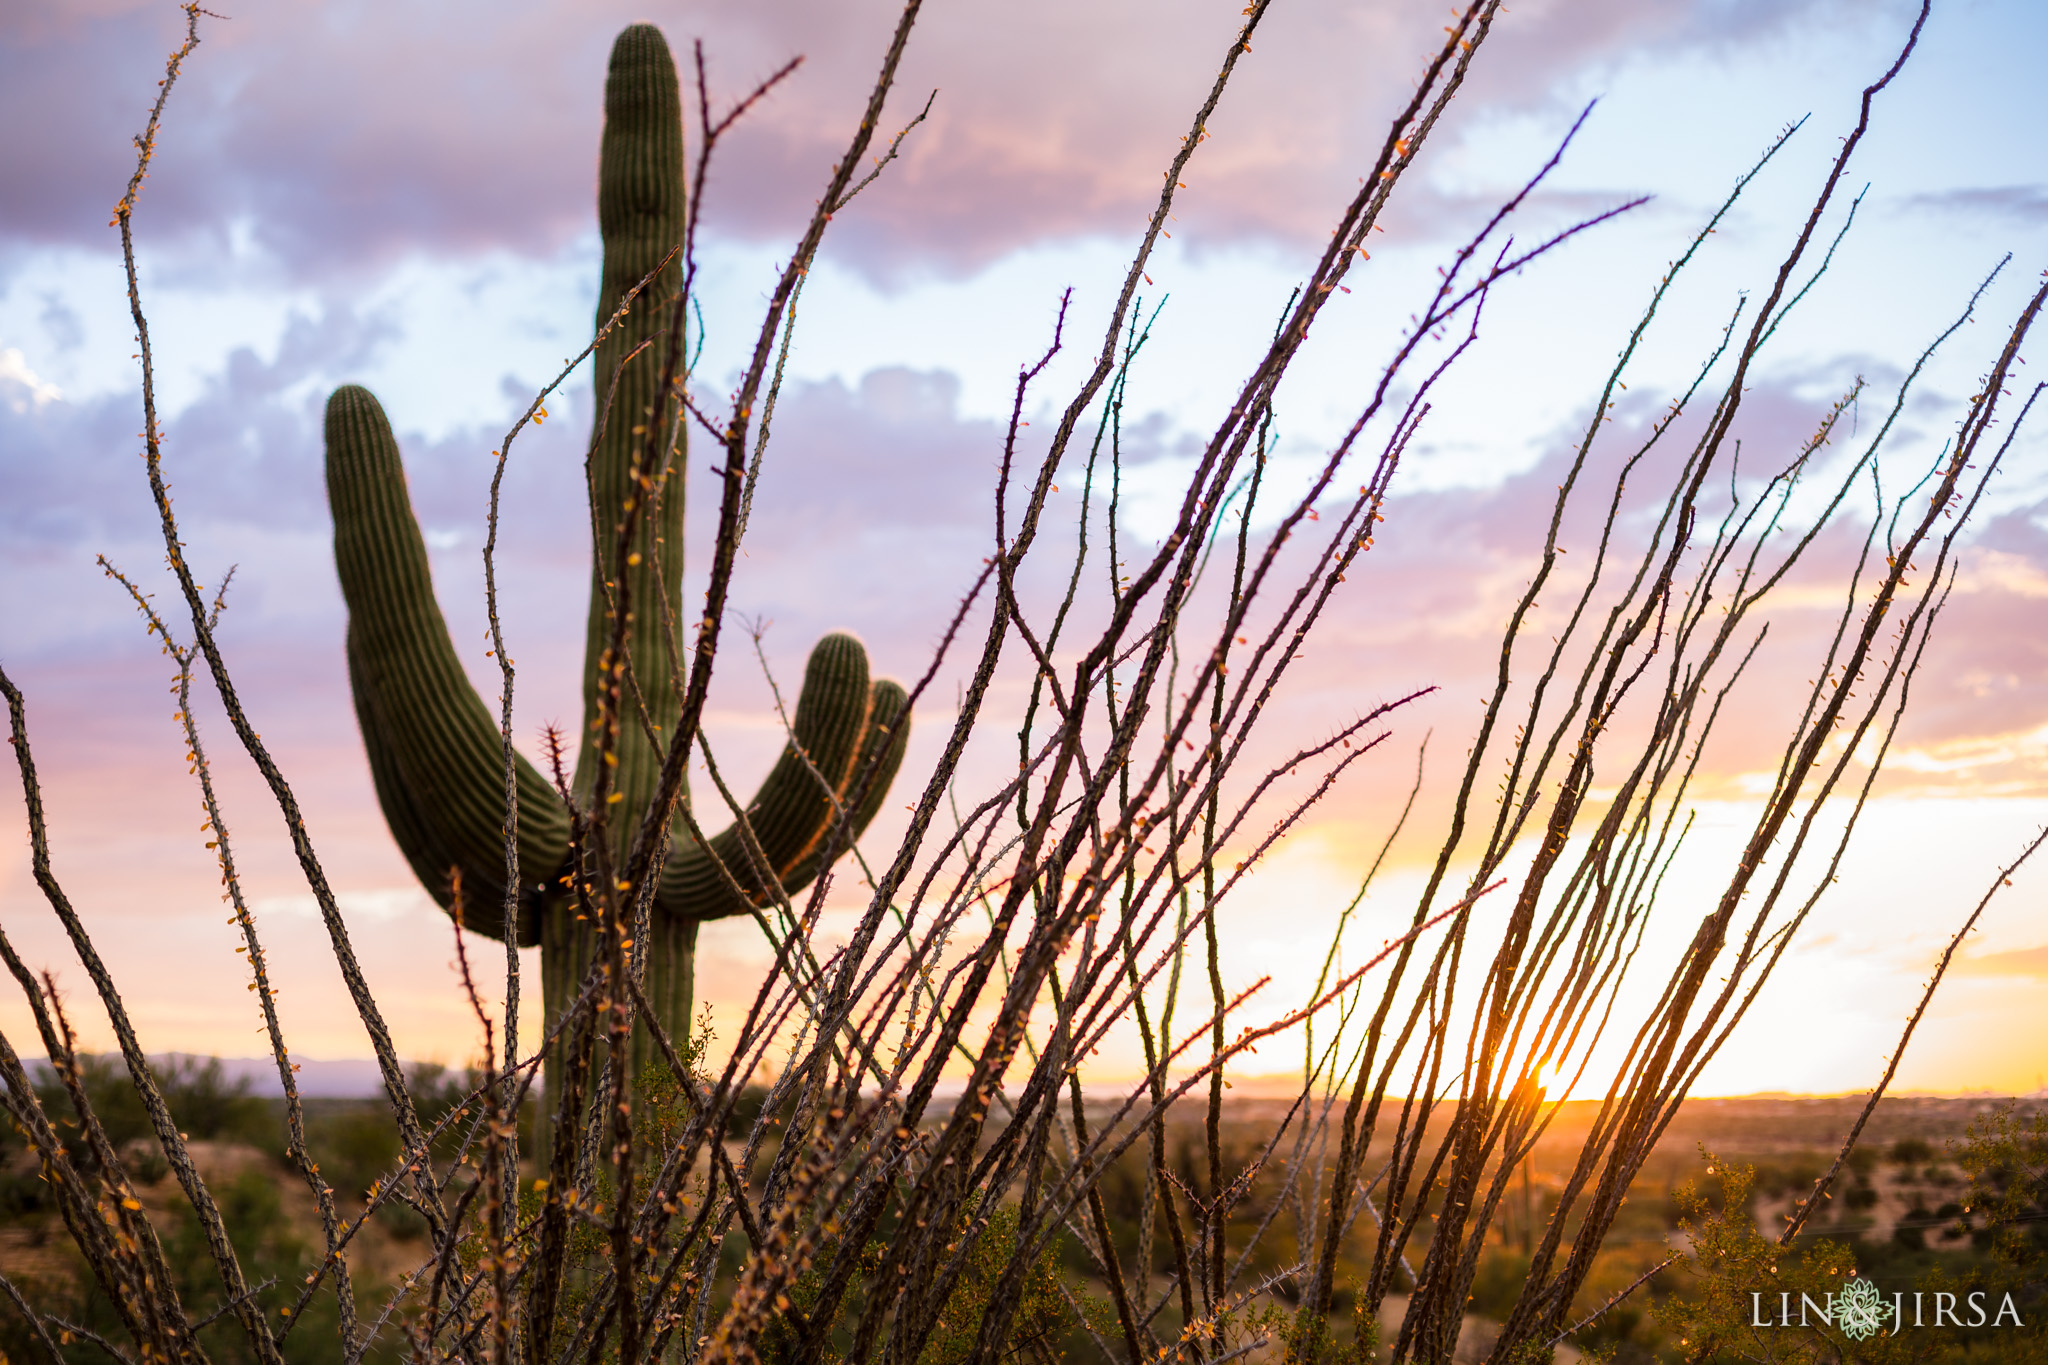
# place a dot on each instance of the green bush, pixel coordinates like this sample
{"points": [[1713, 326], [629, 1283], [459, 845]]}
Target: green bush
{"points": [[1910, 1152], [353, 1146], [204, 1103], [1498, 1283], [1041, 1329], [274, 1259]]}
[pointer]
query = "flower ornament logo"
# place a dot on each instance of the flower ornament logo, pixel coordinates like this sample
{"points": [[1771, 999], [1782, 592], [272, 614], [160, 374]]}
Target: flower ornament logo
{"points": [[1860, 1310]]}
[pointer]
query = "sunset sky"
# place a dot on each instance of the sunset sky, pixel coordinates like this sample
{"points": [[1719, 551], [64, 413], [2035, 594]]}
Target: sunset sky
{"points": [[376, 193]]}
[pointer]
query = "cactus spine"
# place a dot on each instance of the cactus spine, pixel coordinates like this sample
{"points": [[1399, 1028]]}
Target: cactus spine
{"points": [[434, 748]]}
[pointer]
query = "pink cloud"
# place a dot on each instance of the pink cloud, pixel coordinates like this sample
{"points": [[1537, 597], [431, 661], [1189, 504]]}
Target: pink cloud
{"points": [[2022, 962], [344, 135]]}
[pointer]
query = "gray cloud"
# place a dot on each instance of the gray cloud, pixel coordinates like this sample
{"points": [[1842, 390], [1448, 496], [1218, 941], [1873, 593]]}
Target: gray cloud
{"points": [[2026, 204]]}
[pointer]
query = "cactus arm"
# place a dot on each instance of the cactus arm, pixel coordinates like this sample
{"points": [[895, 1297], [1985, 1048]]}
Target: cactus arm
{"points": [[841, 721], [436, 756]]}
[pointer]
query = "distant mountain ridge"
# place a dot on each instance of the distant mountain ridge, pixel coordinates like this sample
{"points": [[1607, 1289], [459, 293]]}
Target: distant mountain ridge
{"points": [[345, 1078]]}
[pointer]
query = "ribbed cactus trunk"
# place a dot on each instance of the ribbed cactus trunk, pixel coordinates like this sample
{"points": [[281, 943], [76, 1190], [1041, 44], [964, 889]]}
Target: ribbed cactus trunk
{"points": [[436, 755], [640, 214]]}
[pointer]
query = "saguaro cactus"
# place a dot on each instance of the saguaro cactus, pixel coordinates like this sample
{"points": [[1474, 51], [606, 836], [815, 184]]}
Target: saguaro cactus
{"points": [[434, 748]]}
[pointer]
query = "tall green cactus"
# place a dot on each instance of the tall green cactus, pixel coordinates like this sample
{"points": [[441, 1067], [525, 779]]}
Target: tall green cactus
{"points": [[435, 752]]}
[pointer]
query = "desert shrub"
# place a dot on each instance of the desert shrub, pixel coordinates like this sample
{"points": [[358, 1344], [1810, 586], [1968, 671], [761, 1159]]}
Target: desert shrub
{"points": [[1911, 1230], [1498, 1283], [1794, 1176], [354, 1145], [438, 1091], [1909, 1152], [2005, 1160], [1054, 1311], [207, 1105], [23, 1195], [274, 1257], [145, 1163], [1730, 1259], [1044, 1315], [1683, 1200], [113, 1099], [203, 1102]]}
